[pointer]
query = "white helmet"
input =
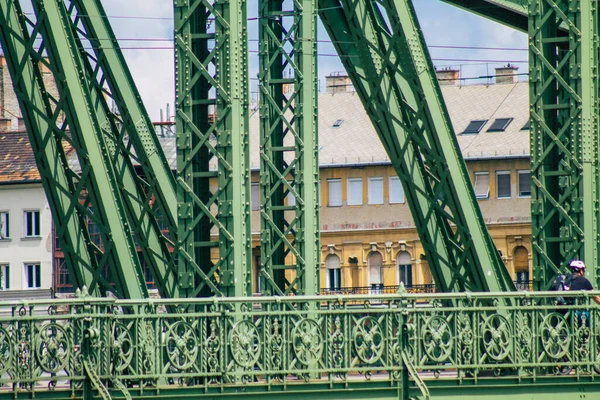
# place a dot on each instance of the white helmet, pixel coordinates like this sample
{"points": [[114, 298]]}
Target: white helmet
{"points": [[577, 265]]}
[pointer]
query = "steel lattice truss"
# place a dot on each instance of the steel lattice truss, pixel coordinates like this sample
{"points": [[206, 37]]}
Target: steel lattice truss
{"points": [[564, 123], [212, 142], [288, 142]]}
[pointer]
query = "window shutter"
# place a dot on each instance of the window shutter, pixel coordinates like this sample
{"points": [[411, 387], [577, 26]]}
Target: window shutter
{"points": [[503, 185], [396, 190], [524, 184], [481, 186], [335, 192], [376, 190], [355, 192], [255, 189]]}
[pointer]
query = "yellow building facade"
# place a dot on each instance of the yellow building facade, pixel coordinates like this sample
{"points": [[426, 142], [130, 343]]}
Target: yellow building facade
{"points": [[369, 242]]}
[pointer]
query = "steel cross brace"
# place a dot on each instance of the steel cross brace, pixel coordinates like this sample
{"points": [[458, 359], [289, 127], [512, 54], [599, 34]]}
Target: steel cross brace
{"points": [[212, 144], [51, 147], [93, 148], [288, 142], [151, 193], [384, 53], [564, 127]]}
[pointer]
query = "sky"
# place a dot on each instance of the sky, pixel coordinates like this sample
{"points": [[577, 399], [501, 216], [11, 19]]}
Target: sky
{"points": [[152, 61]]}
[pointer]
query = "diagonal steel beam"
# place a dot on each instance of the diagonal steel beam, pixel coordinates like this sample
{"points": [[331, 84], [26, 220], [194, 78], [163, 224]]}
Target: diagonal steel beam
{"points": [[51, 150], [512, 13], [384, 54], [94, 156]]}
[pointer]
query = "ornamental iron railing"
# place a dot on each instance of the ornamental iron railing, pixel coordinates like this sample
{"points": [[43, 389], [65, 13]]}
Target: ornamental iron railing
{"points": [[288, 343]]}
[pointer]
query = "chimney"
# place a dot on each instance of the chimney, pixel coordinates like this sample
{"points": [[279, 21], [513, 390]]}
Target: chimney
{"points": [[338, 82], [506, 74], [21, 125], [447, 76], [5, 124]]}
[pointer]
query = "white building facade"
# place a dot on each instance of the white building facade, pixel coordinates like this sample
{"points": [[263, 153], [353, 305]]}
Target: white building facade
{"points": [[26, 239]]}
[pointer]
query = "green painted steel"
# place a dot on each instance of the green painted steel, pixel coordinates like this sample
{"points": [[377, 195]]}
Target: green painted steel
{"points": [[51, 146], [93, 151], [151, 193], [322, 345], [289, 173], [212, 144], [564, 128], [513, 13], [384, 54]]}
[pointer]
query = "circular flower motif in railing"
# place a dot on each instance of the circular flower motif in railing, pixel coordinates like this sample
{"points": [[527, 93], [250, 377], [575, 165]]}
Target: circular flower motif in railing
{"points": [[437, 339], [496, 336], [244, 343], [307, 341], [121, 347], [52, 348], [6, 357], [555, 336], [182, 345], [368, 340]]}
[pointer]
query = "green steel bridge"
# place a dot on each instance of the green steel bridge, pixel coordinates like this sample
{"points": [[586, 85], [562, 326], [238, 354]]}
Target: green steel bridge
{"points": [[207, 337]]}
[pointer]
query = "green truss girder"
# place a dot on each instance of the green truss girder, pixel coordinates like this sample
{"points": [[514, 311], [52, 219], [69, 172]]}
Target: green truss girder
{"points": [[93, 148], [212, 144], [563, 77], [513, 13], [289, 151], [48, 138], [148, 195], [384, 54]]}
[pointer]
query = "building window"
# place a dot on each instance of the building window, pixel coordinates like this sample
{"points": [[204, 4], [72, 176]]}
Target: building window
{"points": [[355, 192], [396, 190], [255, 196], [404, 268], [4, 277], [521, 265], [32, 223], [335, 192], [4, 225], [503, 184], [482, 185], [334, 273], [375, 266], [376, 190], [524, 183], [33, 276]]}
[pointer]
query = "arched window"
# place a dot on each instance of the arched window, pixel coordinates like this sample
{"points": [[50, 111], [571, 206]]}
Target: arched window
{"points": [[334, 274], [375, 265], [404, 269], [521, 264]]}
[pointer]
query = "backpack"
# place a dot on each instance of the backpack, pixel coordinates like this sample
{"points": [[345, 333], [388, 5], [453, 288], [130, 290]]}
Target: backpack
{"points": [[561, 283]]}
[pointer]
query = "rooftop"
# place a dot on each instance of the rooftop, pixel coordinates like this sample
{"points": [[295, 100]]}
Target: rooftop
{"points": [[346, 135]]}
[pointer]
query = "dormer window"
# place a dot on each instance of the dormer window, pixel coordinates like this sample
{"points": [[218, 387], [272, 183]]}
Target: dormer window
{"points": [[475, 126]]}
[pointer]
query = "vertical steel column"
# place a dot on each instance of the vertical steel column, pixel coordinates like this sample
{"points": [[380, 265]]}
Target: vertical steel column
{"points": [[95, 153], [289, 160], [212, 143], [48, 141], [384, 53], [564, 127]]}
